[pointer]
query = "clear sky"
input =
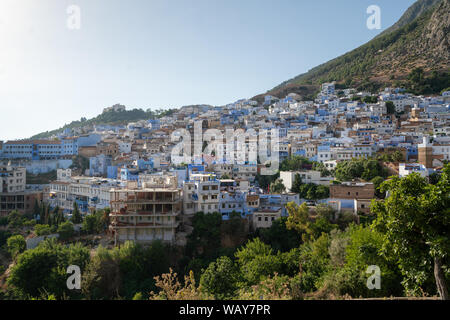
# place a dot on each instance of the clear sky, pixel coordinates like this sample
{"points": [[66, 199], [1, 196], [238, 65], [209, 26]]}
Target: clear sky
{"points": [[163, 53]]}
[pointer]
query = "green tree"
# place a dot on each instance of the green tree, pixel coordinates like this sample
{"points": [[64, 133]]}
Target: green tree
{"points": [[366, 169], [257, 261], [397, 156], [390, 107], [325, 211], [42, 229], [15, 219], [296, 184], [294, 163], [16, 245], [415, 220], [220, 279], [314, 259], [36, 208], [92, 223], [377, 181], [319, 166], [299, 220], [76, 215], [277, 187], [66, 230], [43, 269], [370, 99], [322, 192], [351, 252], [279, 237], [205, 237]]}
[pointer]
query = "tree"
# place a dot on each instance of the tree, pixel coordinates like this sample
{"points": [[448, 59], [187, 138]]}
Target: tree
{"points": [[277, 187], [295, 163], [279, 237], [397, 156], [220, 279], [313, 260], [36, 209], [92, 223], [299, 220], [14, 219], [43, 269], [42, 229], [66, 230], [322, 192], [205, 237], [325, 211], [370, 99], [351, 252], [377, 181], [265, 181], [16, 245], [390, 107], [296, 184], [76, 215], [257, 261], [57, 217], [319, 166], [366, 169], [415, 219]]}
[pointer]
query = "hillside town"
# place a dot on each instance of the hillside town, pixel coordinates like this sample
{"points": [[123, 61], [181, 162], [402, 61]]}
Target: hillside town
{"points": [[131, 171]]}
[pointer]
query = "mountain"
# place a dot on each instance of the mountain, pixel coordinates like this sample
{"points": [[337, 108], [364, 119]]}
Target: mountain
{"points": [[420, 39], [416, 10]]}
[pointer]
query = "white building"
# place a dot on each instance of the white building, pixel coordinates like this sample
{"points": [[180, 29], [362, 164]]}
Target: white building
{"points": [[310, 176], [405, 169], [201, 193]]}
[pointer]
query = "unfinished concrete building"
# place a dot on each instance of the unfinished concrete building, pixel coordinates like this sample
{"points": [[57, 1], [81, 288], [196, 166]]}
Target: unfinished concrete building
{"points": [[147, 213]]}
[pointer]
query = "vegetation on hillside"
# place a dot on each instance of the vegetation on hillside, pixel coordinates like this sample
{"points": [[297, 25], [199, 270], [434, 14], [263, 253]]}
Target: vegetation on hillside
{"points": [[325, 256], [112, 118], [366, 66]]}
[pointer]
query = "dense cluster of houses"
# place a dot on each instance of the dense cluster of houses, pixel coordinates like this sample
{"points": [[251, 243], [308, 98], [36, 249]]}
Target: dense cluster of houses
{"points": [[131, 169]]}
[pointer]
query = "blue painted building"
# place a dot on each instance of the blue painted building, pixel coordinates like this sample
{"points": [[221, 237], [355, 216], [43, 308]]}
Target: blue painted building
{"points": [[32, 149]]}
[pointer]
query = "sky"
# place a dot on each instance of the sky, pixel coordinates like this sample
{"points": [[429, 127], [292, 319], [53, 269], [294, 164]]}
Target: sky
{"points": [[163, 53]]}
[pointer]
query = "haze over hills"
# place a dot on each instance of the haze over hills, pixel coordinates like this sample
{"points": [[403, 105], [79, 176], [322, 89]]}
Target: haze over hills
{"points": [[420, 39]]}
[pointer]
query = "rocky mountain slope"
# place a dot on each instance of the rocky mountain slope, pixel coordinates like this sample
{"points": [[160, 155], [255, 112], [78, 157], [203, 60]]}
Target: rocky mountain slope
{"points": [[420, 39]]}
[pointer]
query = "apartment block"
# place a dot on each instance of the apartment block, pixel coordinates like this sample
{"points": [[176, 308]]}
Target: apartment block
{"points": [[145, 214], [201, 193]]}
